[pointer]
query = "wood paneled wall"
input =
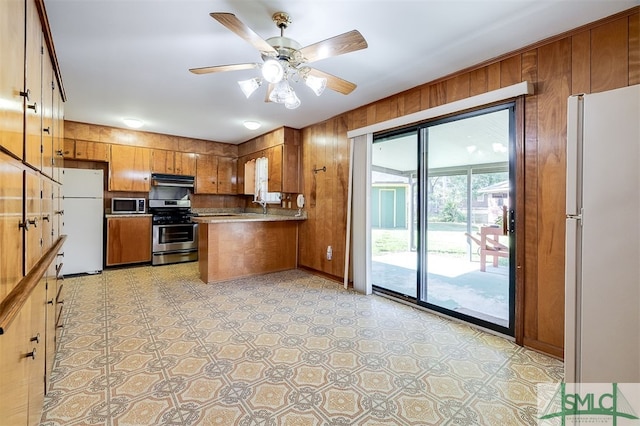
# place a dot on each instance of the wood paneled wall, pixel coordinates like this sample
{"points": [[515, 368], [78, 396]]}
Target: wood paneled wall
{"points": [[114, 135], [325, 145], [601, 56]]}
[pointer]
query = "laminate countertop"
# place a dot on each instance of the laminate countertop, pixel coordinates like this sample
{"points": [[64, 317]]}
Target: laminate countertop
{"points": [[243, 217]]}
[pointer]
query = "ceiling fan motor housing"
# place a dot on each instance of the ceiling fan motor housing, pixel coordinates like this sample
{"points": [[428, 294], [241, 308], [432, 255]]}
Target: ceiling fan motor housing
{"points": [[287, 48]]}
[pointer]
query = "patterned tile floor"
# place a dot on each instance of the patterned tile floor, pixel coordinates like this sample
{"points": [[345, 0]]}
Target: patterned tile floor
{"points": [[155, 346]]}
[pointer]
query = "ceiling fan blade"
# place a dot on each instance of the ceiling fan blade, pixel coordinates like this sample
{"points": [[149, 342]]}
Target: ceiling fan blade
{"points": [[334, 83], [223, 68], [232, 23], [334, 46]]}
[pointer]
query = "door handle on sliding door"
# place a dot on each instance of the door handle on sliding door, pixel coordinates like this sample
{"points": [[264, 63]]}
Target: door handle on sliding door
{"points": [[512, 221]]}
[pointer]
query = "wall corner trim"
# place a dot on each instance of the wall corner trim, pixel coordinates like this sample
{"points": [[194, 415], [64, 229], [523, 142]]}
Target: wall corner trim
{"points": [[509, 92]]}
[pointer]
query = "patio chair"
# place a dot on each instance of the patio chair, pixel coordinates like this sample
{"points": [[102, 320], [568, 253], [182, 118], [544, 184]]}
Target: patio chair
{"points": [[490, 245]]}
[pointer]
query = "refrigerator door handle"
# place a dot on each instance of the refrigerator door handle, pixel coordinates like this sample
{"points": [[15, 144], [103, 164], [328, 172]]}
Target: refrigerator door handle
{"points": [[577, 217], [571, 302], [574, 153]]}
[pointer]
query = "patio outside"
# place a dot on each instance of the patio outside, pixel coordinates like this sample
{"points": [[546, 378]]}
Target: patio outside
{"points": [[454, 277], [456, 187]]}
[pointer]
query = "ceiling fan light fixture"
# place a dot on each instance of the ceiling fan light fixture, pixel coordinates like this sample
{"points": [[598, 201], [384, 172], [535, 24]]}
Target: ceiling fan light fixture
{"points": [[280, 92], [272, 71], [249, 86], [292, 101], [317, 84]]}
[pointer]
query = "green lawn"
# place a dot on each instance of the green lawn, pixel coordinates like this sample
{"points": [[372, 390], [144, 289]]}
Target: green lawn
{"points": [[442, 237]]}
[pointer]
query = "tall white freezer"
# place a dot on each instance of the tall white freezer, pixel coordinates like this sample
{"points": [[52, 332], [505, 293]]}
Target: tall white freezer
{"points": [[83, 220], [602, 277]]}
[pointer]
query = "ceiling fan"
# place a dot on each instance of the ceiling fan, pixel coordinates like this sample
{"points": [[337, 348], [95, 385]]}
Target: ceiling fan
{"points": [[285, 61]]}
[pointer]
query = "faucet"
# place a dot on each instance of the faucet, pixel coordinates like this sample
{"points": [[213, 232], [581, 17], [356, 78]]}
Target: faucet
{"points": [[263, 204]]}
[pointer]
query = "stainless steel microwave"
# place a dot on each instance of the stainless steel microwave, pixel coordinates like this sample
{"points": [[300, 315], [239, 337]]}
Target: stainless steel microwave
{"points": [[128, 205]]}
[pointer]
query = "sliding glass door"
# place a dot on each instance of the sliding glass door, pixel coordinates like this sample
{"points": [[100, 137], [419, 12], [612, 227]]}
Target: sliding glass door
{"points": [[394, 213], [441, 201]]}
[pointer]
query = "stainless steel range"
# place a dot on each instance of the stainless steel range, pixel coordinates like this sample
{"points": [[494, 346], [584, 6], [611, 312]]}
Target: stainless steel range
{"points": [[174, 236]]}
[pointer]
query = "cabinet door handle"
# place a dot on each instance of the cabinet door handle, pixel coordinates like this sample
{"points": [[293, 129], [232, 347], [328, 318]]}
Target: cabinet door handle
{"points": [[60, 153], [35, 338], [50, 302], [24, 225], [60, 212], [59, 276], [26, 94], [46, 217], [31, 354], [33, 222], [34, 107], [46, 130]]}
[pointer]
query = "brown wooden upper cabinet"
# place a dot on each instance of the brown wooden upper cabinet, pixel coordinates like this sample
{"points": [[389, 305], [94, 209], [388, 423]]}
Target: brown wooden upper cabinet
{"points": [[33, 88], [185, 163], [284, 175], [86, 150], [69, 148], [12, 77], [282, 148], [171, 162], [215, 175], [206, 174], [161, 161], [129, 169], [227, 169], [47, 116], [58, 132], [283, 168]]}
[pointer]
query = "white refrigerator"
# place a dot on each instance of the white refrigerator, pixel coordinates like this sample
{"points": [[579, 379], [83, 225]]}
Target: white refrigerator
{"points": [[83, 220], [602, 275]]}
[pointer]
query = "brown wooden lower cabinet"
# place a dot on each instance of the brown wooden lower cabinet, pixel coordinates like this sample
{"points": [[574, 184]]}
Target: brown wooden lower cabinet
{"points": [[36, 350], [14, 370], [242, 249], [128, 240], [22, 363], [51, 319]]}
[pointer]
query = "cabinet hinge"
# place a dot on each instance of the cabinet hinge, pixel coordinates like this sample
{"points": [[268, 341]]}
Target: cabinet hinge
{"points": [[42, 50], [41, 242], [41, 149]]}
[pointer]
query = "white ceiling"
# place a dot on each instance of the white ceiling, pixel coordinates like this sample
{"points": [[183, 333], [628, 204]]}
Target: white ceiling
{"points": [[130, 58]]}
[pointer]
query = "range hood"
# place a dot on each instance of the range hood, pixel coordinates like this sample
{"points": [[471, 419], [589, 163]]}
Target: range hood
{"points": [[159, 179]]}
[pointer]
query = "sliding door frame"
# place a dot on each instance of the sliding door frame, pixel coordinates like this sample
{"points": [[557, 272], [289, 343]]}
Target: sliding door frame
{"points": [[516, 179]]}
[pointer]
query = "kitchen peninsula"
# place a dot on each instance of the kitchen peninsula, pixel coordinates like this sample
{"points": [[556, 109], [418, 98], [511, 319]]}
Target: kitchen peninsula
{"points": [[235, 245]]}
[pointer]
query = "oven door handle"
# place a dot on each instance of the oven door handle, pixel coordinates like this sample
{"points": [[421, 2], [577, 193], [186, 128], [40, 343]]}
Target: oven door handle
{"points": [[162, 253]]}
